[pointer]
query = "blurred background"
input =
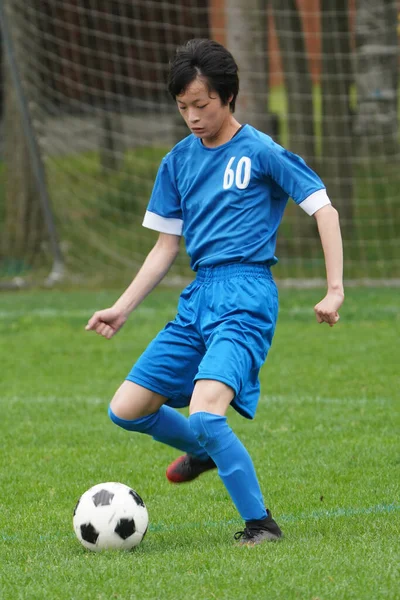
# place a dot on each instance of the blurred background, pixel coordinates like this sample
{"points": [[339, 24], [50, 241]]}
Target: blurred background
{"points": [[86, 119]]}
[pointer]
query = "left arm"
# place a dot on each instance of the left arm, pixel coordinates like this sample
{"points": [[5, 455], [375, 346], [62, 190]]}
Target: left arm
{"points": [[298, 181], [329, 231]]}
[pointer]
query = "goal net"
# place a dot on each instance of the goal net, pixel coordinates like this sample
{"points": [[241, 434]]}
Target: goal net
{"points": [[319, 76]]}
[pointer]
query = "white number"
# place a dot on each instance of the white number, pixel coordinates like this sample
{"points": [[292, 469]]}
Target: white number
{"points": [[242, 175], [229, 175]]}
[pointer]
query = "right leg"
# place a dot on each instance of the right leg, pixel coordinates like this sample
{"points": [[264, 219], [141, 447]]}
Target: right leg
{"points": [[136, 408], [162, 378]]}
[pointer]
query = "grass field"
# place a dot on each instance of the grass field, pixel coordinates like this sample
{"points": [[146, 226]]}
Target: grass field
{"points": [[325, 445]]}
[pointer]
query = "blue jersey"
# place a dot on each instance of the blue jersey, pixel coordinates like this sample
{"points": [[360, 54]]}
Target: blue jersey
{"points": [[228, 201]]}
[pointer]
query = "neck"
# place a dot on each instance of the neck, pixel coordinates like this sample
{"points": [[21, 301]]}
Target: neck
{"points": [[224, 134]]}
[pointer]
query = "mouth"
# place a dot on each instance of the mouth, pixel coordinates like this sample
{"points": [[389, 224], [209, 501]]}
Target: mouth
{"points": [[197, 129]]}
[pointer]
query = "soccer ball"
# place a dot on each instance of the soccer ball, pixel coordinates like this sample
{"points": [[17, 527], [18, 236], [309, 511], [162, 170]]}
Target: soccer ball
{"points": [[110, 516]]}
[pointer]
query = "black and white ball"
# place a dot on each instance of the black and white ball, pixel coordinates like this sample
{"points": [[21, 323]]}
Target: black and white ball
{"points": [[110, 516]]}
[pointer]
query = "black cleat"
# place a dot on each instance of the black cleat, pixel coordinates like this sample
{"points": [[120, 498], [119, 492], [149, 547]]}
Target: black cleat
{"points": [[256, 532], [187, 467]]}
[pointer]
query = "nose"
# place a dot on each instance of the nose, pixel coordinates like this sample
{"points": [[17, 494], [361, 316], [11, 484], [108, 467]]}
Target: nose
{"points": [[193, 116]]}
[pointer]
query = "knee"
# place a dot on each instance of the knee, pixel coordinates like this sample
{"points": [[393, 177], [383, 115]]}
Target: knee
{"points": [[143, 424], [132, 401], [124, 423], [207, 427], [197, 427]]}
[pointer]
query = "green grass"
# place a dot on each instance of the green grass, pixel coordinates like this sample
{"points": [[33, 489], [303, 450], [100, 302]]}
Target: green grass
{"points": [[324, 442]]}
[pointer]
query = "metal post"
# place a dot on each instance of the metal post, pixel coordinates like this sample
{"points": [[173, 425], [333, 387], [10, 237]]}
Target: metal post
{"points": [[57, 271]]}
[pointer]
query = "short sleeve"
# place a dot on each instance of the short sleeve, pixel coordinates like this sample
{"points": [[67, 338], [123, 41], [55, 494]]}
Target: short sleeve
{"points": [[297, 179], [164, 212]]}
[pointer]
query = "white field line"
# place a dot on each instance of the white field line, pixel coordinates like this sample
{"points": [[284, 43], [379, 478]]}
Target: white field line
{"points": [[93, 400], [301, 400], [342, 512], [280, 399], [387, 310], [53, 313]]}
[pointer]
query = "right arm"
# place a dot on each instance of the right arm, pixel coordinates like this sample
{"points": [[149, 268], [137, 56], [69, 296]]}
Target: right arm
{"points": [[157, 264]]}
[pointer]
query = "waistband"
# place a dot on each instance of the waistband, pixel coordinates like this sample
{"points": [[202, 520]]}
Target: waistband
{"points": [[230, 270]]}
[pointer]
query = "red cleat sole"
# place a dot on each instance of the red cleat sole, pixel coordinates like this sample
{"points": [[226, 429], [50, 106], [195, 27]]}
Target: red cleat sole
{"points": [[173, 475], [186, 468]]}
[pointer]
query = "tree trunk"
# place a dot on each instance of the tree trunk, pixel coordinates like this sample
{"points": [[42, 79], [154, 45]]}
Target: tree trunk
{"points": [[246, 38], [337, 146], [24, 223], [297, 78], [376, 123]]}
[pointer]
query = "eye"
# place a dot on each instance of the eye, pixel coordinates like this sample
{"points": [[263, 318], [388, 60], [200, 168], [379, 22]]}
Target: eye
{"points": [[204, 105], [182, 107]]}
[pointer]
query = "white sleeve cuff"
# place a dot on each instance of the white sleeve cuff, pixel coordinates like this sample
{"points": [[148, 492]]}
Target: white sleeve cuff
{"points": [[314, 202], [162, 224]]}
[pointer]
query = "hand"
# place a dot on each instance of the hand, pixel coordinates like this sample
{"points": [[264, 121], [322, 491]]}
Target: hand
{"points": [[326, 311], [106, 322]]}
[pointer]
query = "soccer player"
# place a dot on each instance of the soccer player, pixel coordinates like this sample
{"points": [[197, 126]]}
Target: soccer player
{"points": [[224, 188]]}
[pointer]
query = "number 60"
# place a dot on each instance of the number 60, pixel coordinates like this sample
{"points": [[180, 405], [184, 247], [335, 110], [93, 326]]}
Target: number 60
{"points": [[242, 175]]}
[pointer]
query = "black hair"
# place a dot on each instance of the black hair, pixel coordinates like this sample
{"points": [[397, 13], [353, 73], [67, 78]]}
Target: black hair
{"points": [[209, 60]]}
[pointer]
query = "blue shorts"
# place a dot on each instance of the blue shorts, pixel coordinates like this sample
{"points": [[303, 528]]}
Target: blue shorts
{"points": [[223, 330]]}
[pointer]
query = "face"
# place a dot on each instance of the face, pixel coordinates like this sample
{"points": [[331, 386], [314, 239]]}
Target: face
{"points": [[203, 111]]}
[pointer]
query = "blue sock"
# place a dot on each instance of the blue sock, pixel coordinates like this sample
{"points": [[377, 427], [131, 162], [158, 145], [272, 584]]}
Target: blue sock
{"points": [[166, 425], [235, 466]]}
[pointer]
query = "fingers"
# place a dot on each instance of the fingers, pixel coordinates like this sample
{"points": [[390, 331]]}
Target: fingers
{"points": [[104, 330], [107, 331], [93, 322], [325, 317], [335, 319], [326, 311], [100, 327]]}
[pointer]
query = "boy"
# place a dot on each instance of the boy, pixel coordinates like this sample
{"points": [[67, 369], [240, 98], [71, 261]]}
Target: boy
{"points": [[225, 188]]}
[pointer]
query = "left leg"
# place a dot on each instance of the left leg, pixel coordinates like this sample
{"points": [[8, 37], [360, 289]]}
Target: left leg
{"points": [[207, 419], [208, 422], [237, 342]]}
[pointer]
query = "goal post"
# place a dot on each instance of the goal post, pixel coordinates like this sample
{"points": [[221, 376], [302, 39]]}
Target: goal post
{"points": [[317, 76], [37, 197]]}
